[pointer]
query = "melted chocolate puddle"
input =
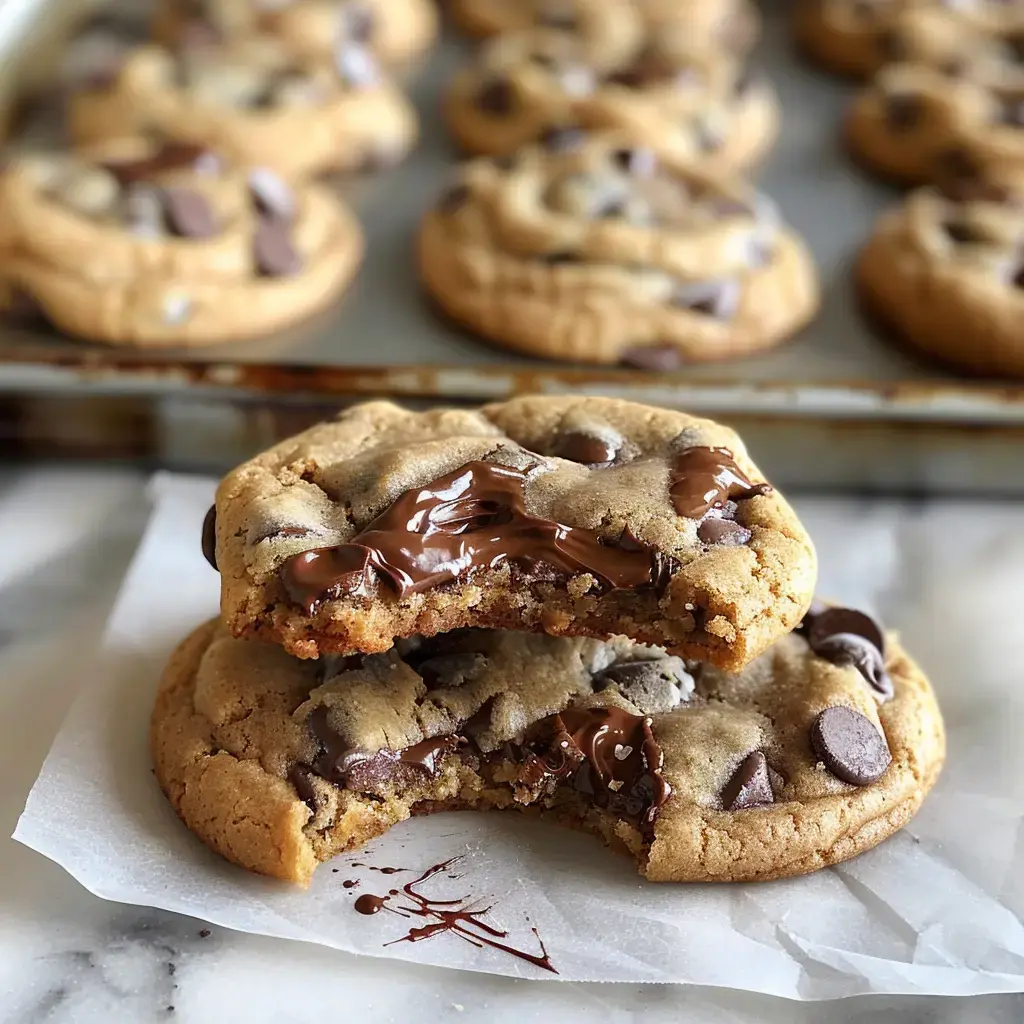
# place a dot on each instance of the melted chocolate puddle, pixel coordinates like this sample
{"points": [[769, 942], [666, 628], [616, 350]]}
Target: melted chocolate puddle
{"points": [[454, 917]]}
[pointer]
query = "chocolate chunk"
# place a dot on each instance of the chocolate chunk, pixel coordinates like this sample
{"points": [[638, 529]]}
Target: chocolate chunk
{"points": [[357, 23], [653, 357], [451, 669], [301, 777], [270, 193], [188, 213], [849, 649], [724, 532], [903, 110], [962, 232], [850, 747], [561, 256], [830, 621], [496, 97], [718, 299], [636, 160], [355, 66], [210, 536], [454, 198], [588, 449], [273, 251], [750, 785], [561, 138], [653, 685]]}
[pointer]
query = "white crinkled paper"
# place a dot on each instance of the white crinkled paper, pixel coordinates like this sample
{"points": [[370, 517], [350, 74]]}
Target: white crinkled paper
{"points": [[934, 910]]}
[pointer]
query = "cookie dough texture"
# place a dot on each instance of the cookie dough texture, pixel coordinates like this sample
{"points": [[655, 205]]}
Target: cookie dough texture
{"points": [[181, 253], [255, 103], [394, 31], [730, 26], [231, 723], [704, 109], [915, 125], [725, 601], [944, 272], [599, 250]]}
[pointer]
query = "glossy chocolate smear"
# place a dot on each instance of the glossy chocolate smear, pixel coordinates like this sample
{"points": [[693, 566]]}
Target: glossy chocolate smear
{"points": [[706, 478], [607, 754], [471, 519]]}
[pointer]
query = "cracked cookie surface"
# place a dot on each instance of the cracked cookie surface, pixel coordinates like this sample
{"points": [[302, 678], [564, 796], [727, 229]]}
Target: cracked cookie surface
{"points": [[257, 104], [132, 243], [599, 249], [279, 764], [944, 272], [585, 516]]}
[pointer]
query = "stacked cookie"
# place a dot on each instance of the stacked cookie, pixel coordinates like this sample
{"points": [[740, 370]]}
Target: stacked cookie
{"points": [[944, 106], [583, 608], [606, 211], [185, 215]]}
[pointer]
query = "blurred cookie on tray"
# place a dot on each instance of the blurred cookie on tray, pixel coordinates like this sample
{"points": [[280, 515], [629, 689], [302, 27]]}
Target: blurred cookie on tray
{"points": [[144, 244], [603, 249], [706, 109], [256, 103]]}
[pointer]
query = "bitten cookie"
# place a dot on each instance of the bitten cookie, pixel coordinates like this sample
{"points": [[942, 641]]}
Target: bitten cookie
{"points": [[394, 31], [256, 104], [731, 26], [945, 272], [802, 760], [134, 244], [703, 109], [915, 124], [602, 251], [563, 515]]}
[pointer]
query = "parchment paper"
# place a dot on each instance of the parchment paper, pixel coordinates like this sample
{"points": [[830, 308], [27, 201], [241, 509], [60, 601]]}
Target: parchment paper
{"points": [[936, 910]]}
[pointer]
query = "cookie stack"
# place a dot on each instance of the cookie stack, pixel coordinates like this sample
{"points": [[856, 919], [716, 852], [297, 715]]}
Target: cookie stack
{"points": [[944, 106], [580, 607], [605, 222], [185, 215]]}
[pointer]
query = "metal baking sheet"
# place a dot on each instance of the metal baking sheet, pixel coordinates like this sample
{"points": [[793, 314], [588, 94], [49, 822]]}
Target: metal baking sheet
{"points": [[384, 338]]}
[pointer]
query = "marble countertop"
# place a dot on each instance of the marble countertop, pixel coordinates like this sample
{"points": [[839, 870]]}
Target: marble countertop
{"points": [[66, 956]]}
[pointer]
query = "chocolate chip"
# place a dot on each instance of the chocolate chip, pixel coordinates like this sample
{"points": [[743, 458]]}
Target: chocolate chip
{"points": [[724, 532], [954, 164], [210, 536], [451, 669], [496, 97], [962, 232], [454, 198], [847, 649], [636, 160], [188, 213], [653, 685], [850, 747], [718, 299], [301, 777], [273, 251], [750, 785], [357, 23], [561, 256], [588, 449], [271, 194], [831, 620], [653, 357], [558, 139], [355, 66], [903, 111]]}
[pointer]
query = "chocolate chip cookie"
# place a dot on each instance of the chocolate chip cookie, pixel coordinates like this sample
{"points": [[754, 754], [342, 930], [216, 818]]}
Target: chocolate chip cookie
{"points": [[578, 516], [602, 250], [916, 124], [821, 748], [133, 243], [704, 109], [605, 26], [848, 37], [255, 103], [945, 273], [394, 31]]}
